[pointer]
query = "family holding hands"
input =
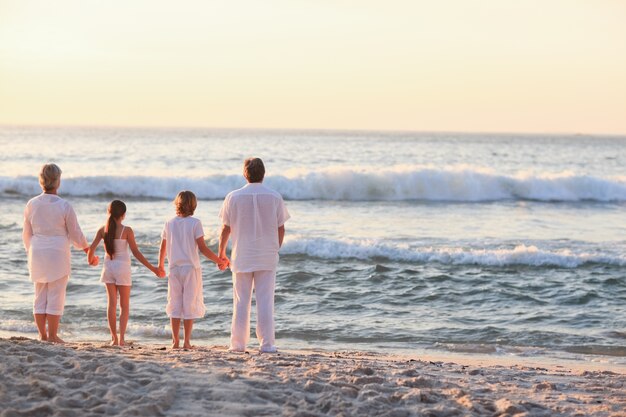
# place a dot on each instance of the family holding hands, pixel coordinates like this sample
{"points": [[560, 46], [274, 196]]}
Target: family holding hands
{"points": [[253, 218]]}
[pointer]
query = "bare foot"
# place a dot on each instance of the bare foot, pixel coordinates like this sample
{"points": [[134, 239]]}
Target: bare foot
{"points": [[188, 346], [43, 338], [122, 342], [176, 344], [113, 343], [55, 339]]}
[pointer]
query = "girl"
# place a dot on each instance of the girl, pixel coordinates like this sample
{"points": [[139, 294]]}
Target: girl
{"points": [[116, 272], [182, 237]]}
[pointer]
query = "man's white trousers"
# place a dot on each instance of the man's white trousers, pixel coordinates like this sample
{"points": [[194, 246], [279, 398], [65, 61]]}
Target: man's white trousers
{"points": [[263, 283]]}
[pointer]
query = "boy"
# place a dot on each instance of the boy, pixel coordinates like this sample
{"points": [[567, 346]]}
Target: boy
{"points": [[182, 237]]}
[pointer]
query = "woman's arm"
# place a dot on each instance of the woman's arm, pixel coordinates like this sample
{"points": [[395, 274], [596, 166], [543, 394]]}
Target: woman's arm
{"points": [[27, 231], [281, 235], [130, 237], [73, 229]]}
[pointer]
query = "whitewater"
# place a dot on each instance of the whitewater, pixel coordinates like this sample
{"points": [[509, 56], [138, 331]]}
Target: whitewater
{"points": [[499, 243], [460, 184]]}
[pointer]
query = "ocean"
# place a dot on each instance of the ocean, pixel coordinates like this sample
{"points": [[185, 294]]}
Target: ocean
{"points": [[399, 242]]}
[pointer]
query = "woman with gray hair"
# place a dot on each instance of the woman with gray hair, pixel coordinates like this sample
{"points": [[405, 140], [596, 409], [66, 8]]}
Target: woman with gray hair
{"points": [[50, 226]]}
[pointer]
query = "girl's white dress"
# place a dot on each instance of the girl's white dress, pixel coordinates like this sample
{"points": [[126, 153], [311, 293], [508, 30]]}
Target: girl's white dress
{"points": [[117, 270]]}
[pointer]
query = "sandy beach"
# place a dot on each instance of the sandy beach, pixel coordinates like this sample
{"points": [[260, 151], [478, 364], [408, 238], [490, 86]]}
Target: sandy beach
{"points": [[85, 379]]}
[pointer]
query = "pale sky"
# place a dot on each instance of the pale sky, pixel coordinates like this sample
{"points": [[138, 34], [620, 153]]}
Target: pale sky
{"points": [[464, 65]]}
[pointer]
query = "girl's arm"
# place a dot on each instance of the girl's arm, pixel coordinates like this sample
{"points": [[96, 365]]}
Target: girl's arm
{"points": [[94, 245], [130, 237]]}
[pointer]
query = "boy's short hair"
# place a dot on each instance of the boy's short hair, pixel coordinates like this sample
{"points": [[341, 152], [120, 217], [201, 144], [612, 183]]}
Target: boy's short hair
{"points": [[185, 203], [253, 169]]}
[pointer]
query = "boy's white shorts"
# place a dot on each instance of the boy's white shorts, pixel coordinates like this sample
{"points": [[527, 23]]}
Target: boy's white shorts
{"points": [[185, 297]]}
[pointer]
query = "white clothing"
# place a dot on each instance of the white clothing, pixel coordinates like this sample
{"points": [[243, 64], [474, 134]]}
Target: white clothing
{"points": [[254, 214], [50, 225], [50, 296], [185, 296], [264, 283], [117, 270], [181, 234]]}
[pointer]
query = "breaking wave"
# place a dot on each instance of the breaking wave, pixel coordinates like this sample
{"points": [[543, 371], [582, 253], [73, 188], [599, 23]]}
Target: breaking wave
{"points": [[519, 255], [458, 184]]}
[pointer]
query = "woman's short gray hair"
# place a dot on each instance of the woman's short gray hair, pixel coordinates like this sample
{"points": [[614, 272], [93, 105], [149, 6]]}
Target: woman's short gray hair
{"points": [[50, 177]]}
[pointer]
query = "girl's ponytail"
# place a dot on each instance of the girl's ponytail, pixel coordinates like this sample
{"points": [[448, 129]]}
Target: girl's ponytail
{"points": [[116, 210]]}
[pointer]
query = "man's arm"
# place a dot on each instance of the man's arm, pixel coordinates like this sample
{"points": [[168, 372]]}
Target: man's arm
{"points": [[224, 236], [281, 235]]}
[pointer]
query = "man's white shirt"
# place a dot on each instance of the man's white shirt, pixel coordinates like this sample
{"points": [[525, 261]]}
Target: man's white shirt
{"points": [[254, 214]]}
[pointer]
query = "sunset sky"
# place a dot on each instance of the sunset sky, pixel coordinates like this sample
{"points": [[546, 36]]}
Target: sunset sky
{"points": [[501, 65]]}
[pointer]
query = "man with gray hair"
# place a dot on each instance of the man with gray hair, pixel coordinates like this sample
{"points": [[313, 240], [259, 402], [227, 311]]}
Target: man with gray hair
{"points": [[254, 216]]}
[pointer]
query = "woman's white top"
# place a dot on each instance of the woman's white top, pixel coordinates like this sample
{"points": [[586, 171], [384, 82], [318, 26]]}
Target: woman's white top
{"points": [[50, 225], [118, 268]]}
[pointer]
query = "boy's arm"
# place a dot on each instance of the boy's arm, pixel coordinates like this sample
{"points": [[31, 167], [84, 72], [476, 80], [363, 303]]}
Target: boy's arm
{"points": [[162, 258], [206, 251]]}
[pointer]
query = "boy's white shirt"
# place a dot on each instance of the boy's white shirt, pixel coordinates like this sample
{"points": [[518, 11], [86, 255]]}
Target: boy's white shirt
{"points": [[181, 234]]}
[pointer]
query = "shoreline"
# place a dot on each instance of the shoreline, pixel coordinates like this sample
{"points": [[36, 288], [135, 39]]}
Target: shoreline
{"points": [[90, 378], [578, 363]]}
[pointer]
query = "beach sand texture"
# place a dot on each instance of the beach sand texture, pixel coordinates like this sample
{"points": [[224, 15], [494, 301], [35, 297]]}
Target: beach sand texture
{"points": [[89, 379]]}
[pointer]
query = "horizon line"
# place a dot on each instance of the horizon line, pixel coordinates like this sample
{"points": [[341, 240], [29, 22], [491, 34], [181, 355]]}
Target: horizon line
{"points": [[304, 129]]}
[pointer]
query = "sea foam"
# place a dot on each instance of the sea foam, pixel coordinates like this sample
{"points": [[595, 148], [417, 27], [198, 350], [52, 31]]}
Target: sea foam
{"points": [[372, 249], [148, 330], [18, 326], [425, 183]]}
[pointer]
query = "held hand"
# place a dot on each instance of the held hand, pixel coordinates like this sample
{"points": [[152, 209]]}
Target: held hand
{"points": [[160, 272], [223, 263], [95, 261]]}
